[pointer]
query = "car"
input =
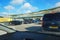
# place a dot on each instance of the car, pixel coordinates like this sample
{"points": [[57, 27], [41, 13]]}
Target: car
{"points": [[16, 22], [51, 22], [28, 21], [38, 21]]}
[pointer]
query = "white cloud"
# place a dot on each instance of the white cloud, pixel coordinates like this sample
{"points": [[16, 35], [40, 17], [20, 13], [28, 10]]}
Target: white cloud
{"points": [[27, 6], [57, 4], [5, 13], [17, 2], [9, 7], [28, 11]]}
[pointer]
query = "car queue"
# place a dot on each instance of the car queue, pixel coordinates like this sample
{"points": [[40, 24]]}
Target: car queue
{"points": [[25, 21]]}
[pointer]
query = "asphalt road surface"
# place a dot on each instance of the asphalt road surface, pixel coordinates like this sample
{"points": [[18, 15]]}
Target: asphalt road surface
{"points": [[23, 27], [28, 27]]}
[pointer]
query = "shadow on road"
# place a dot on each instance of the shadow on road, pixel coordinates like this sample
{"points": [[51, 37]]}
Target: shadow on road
{"points": [[34, 28]]}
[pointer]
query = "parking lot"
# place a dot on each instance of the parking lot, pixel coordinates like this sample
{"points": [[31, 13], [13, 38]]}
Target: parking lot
{"points": [[24, 27], [28, 27]]}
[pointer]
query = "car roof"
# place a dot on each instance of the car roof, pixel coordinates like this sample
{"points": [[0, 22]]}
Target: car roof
{"points": [[50, 16], [58, 13]]}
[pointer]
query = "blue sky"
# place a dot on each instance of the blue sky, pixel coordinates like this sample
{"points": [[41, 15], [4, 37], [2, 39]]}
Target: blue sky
{"points": [[26, 6]]}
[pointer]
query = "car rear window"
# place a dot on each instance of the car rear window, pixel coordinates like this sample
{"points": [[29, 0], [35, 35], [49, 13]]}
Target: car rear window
{"points": [[51, 17]]}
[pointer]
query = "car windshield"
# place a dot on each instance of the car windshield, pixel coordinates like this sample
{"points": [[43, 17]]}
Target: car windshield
{"points": [[29, 15]]}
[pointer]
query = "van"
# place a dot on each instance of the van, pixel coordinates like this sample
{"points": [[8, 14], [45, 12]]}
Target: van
{"points": [[51, 22]]}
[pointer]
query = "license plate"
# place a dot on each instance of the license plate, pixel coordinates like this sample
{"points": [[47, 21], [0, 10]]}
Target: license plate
{"points": [[53, 27]]}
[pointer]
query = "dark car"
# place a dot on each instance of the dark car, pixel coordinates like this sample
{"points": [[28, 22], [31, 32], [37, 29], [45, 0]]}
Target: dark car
{"points": [[27, 21], [51, 22], [15, 22], [37, 21]]}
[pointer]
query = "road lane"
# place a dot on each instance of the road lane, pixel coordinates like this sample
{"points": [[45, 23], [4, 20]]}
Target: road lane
{"points": [[30, 27]]}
